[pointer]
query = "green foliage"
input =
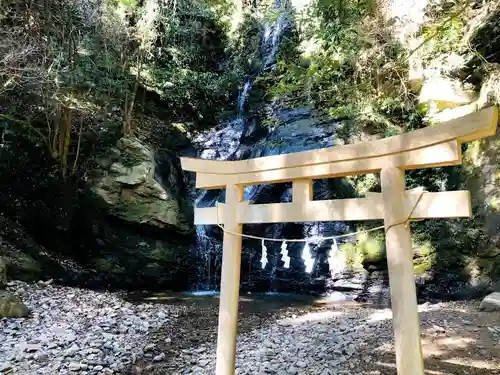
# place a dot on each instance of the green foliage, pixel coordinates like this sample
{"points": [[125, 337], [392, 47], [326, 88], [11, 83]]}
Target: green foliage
{"points": [[368, 248], [132, 4], [106, 57], [353, 257], [349, 64], [445, 37], [244, 45], [445, 30], [373, 248]]}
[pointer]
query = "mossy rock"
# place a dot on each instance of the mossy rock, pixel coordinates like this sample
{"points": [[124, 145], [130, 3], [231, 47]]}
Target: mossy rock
{"points": [[11, 306], [373, 250], [20, 266], [353, 256], [422, 268], [426, 249], [424, 264], [107, 266], [129, 189], [156, 212], [154, 270]]}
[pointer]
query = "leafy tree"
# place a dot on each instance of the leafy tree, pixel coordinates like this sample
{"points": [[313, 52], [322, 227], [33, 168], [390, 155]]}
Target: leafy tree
{"points": [[92, 66]]}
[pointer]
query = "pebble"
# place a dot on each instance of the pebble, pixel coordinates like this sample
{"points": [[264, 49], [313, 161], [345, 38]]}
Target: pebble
{"points": [[77, 330], [4, 367], [301, 364], [313, 343], [159, 357], [74, 366], [288, 346], [41, 356]]}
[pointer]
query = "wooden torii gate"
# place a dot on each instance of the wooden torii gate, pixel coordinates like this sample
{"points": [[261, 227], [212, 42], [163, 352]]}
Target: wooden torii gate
{"points": [[433, 146]]}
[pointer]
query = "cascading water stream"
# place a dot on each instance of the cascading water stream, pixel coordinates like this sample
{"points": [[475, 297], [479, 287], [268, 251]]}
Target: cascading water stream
{"points": [[222, 144], [242, 99], [235, 139], [272, 39]]}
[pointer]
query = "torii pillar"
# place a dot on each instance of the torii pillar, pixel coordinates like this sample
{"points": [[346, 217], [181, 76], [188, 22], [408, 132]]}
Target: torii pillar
{"points": [[406, 322]]}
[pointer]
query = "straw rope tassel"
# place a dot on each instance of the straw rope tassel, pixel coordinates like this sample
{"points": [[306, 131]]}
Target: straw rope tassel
{"points": [[263, 259], [284, 255]]}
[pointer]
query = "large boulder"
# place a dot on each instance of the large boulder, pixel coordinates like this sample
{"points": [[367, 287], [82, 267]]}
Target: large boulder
{"points": [[11, 306], [138, 229], [491, 302], [134, 190]]}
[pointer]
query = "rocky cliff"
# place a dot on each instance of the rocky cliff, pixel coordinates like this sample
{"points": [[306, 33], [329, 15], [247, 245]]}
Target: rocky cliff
{"points": [[336, 75], [128, 225]]}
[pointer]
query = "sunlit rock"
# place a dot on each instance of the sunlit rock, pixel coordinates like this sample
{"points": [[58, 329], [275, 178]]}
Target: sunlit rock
{"points": [[445, 93], [491, 302], [405, 16]]}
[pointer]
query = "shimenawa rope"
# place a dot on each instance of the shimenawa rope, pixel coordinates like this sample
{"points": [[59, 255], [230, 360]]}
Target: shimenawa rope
{"points": [[319, 238]]}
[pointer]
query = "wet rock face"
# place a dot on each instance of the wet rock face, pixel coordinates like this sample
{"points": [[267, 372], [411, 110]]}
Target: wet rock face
{"points": [[359, 267], [291, 130]]}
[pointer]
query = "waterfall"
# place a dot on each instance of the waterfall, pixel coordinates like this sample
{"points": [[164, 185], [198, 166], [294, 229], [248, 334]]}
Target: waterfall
{"points": [[223, 144], [271, 41], [271, 266], [242, 98]]}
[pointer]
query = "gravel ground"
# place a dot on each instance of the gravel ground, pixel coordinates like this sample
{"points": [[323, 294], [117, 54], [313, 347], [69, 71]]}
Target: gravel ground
{"points": [[77, 331]]}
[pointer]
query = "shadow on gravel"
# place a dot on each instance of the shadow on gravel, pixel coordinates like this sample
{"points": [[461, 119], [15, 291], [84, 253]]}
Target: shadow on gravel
{"points": [[456, 338], [455, 341], [197, 324]]}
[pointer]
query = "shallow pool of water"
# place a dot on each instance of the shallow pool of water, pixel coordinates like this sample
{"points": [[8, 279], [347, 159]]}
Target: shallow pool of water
{"points": [[201, 293]]}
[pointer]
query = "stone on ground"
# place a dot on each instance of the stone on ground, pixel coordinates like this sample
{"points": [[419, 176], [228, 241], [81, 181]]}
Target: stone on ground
{"points": [[11, 306], [491, 302]]}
